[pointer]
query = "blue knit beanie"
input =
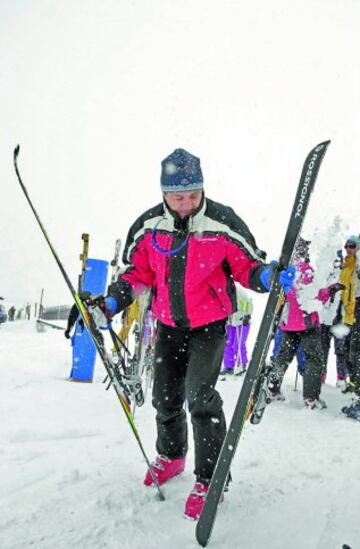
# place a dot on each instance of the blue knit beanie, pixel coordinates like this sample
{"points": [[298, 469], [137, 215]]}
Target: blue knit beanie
{"points": [[181, 171]]}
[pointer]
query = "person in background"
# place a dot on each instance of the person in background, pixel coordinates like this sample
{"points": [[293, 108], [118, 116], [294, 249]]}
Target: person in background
{"points": [[327, 316], [189, 250], [299, 353], [277, 338], [300, 327], [346, 312], [237, 332], [11, 313], [72, 318], [350, 277]]}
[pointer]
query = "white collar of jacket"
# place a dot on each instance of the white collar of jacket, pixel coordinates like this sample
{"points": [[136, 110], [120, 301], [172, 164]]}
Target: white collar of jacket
{"points": [[169, 221]]}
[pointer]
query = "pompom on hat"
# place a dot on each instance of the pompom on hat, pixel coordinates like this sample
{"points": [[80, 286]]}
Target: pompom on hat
{"points": [[181, 171]]}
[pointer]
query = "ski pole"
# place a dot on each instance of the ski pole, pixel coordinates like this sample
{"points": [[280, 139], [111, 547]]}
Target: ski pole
{"points": [[296, 379]]}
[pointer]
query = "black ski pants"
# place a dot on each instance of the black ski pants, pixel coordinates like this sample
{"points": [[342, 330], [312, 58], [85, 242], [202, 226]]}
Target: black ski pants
{"points": [[310, 341], [354, 354], [187, 366]]}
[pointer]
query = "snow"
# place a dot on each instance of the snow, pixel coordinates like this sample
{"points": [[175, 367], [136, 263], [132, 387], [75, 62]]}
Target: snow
{"points": [[97, 94], [340, 330], [71, 473]]}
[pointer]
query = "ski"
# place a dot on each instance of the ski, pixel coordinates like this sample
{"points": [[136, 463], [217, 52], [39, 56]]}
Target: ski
{"points": [[244, 403], [55, 326], [110, 367], [85, 237], [136, 362], [114, 269], [262, 396], [132, 380], [115, 260]]}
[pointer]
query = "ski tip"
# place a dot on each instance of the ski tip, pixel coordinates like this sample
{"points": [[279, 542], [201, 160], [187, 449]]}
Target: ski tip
{"points": [[320, 148], [324, 144], [16, 151]]}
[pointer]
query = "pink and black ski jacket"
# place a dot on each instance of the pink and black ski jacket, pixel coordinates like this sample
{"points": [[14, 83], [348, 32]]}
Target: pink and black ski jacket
{"points": [[294, 318], [190, 264]]}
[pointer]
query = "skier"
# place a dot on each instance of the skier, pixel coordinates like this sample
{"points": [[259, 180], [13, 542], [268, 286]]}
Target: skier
{"points": [[72, 318], [346, 313], [328, 316], [190, 250], [301, 327], [237, 332], [299, 353], [11, 313], [350, 277]]}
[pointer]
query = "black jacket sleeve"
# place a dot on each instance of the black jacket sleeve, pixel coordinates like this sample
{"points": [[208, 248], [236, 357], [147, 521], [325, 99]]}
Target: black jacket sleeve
{"points": [[73, 316]]}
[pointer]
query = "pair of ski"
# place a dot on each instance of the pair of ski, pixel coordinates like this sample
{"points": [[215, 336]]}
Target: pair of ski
{"points": [[254, 383], [111, 368]]}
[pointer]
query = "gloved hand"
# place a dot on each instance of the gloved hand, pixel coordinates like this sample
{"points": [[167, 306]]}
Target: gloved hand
{"points": [[67, 334], [102, 310], [266, 276], [286, 276], [336, 287]]}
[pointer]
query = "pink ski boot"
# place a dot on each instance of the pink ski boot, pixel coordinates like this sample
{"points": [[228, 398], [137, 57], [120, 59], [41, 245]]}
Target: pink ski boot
{"points": [[164, 469], [195, 502]]}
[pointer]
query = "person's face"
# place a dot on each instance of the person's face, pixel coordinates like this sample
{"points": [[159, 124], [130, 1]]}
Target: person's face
{"points": [[350, 249], [184, 203], [302, 251]]}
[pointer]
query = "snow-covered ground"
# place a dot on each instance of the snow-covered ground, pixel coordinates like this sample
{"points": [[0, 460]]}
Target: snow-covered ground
{"points": [[71, 473]]}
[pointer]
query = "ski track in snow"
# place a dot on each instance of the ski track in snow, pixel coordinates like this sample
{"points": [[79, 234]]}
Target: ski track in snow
{"points": [[71, 473]]}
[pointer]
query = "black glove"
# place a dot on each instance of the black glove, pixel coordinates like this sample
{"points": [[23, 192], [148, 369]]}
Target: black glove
{"points": [[336, 287], [246, 320], [102, 309], [67, 334]]}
